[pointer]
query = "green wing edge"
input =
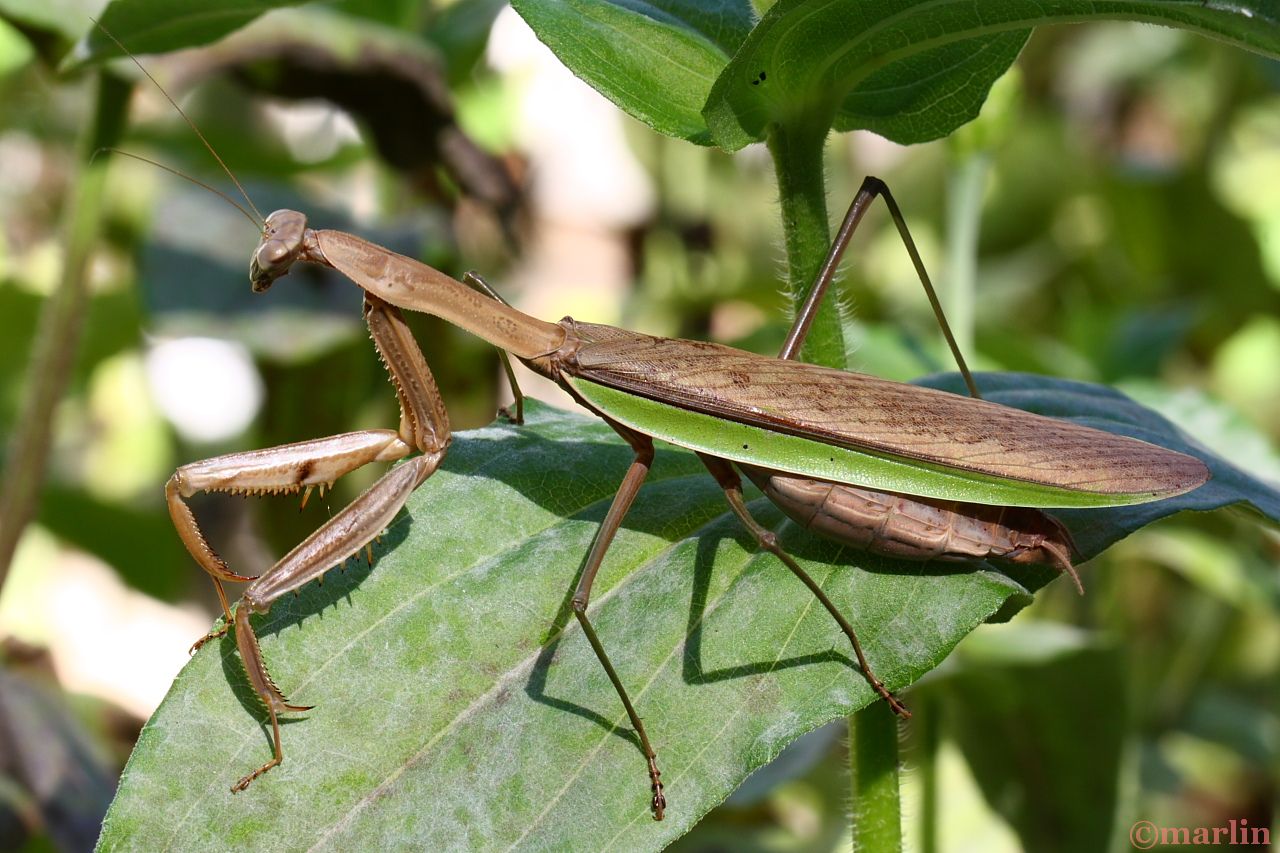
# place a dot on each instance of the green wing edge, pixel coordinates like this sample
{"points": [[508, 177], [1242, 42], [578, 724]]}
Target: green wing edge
{"points": [[805, 457]]}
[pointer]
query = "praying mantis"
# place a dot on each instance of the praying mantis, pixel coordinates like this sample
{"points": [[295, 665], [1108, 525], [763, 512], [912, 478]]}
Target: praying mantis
{"points": [[894, 468], [806, 434]]}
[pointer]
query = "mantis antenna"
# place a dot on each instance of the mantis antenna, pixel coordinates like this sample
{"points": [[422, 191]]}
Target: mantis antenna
{"points": [[228, 199], [259, 221]]}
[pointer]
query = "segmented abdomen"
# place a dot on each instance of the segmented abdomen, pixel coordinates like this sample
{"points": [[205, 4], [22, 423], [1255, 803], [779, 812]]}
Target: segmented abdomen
{"points": [[914, 528]]}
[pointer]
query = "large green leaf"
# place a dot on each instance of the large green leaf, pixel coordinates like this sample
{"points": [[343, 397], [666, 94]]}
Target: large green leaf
{"points": [[911, 70], [915, 70], [460, 706], [656, 59], [156, 26]]}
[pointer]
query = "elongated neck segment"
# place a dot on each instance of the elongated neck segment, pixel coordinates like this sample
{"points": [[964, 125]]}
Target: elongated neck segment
{"points": [[415, 286]]}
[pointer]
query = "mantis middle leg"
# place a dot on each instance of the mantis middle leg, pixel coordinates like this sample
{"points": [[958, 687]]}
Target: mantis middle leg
{"points": [[728, 478], [424, 427], [473, 280], [642, 445]]}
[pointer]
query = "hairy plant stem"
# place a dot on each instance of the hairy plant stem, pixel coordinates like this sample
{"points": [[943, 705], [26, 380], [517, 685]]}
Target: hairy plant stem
{"points": [[58, 334], [873, 765], [802, 194], [797, 157]]}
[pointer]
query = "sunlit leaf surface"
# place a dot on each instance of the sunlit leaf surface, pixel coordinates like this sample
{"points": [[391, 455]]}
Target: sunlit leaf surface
{"points": [[656, 60], [458, 704], [909, 70]]}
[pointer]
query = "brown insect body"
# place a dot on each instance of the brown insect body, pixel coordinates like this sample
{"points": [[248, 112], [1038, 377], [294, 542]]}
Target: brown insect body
{"points": [[914, 528], [833, 407]]}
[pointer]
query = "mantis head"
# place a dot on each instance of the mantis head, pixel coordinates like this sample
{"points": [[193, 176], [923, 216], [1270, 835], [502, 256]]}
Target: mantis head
{"points": [[282, 241]]}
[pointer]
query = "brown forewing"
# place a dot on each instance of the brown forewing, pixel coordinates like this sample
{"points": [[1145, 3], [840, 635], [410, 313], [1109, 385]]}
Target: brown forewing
{"points": [[859, 411]]}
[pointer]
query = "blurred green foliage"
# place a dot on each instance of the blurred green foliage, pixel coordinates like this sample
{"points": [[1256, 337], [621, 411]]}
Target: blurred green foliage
{"points": [[1129, 234]]}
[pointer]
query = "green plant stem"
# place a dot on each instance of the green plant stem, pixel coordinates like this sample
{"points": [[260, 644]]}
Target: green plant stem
{"points": [[873, 762], [965, 186], [58, 335], [797, 160]]}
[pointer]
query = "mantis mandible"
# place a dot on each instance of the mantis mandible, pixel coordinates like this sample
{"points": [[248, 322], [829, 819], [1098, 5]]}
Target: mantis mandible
{"points": [[819, 442]]}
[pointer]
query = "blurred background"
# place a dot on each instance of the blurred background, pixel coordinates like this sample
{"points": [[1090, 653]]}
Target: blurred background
{"points": [[1122, 190]]}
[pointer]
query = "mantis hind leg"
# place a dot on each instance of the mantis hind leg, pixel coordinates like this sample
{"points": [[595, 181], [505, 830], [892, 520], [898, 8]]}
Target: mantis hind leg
{"points": [[871, 187], [768, 540]]}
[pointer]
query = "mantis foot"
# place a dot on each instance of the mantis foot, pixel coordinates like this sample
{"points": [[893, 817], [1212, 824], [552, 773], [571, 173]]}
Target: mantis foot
{"points": [[212, 635], [244, 781], [659, 804], [894, 704], [517, 417]]}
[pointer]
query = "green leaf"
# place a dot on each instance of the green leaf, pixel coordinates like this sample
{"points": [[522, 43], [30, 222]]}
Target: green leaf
{"points": [[458, 704], [656, 60], [157, 26], [915, 70], [66, 18], [1049, 690], [15, 49]]}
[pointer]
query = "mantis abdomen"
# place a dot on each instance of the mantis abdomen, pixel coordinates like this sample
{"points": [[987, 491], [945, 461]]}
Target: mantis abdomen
{"points": [[914, 528]]}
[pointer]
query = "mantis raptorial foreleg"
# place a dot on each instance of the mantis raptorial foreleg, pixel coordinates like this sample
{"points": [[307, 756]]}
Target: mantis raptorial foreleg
{"points": [[289, 468], [424, 427]]}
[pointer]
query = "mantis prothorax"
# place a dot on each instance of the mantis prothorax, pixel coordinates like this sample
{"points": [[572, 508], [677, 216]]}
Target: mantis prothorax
{"points": [[818, 441]]}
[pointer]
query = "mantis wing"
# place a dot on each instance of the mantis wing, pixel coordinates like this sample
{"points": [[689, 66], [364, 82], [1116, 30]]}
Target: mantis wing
{"points": [[852, 428]]}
